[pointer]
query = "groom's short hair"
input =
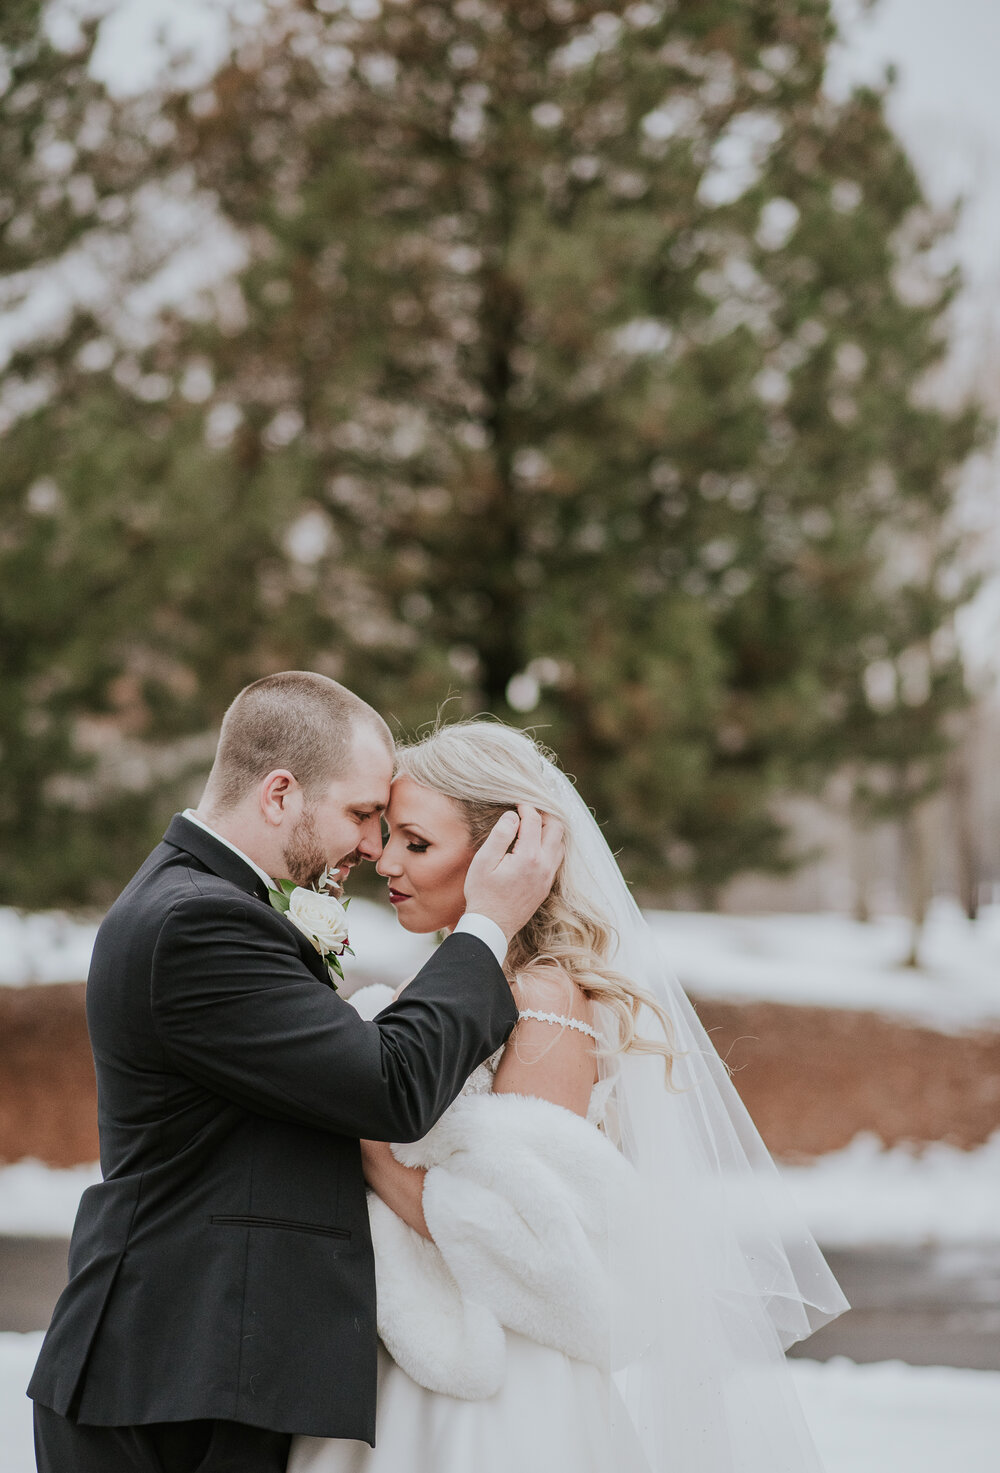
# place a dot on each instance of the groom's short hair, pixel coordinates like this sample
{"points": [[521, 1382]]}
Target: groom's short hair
{"points": [[297, 720]]}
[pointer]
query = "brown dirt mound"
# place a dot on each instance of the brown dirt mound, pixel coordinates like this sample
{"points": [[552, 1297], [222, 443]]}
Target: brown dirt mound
{"points": [[48, 1095], [811, 1077]]}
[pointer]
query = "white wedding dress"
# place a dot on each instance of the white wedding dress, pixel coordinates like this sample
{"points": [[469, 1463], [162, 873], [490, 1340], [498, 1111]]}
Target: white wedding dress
{"points": [[552, 1414], [662, 1241]]}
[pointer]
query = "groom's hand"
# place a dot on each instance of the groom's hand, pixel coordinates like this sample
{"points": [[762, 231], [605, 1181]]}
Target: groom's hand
{"points": [[509, 884]]}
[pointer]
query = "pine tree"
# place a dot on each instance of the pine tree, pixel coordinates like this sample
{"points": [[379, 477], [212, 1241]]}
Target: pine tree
{"points": [[130, 565], [573, 371]]}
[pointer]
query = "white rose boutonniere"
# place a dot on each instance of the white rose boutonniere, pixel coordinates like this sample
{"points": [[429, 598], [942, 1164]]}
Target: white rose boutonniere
{"points": [[320, 916]]}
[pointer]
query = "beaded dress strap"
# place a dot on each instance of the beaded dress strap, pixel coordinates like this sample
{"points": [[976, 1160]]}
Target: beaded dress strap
{"points": [[559, 1018]]}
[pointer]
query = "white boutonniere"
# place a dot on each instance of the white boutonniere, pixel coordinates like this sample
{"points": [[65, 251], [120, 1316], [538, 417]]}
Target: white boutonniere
{"points": [[320, 916]]}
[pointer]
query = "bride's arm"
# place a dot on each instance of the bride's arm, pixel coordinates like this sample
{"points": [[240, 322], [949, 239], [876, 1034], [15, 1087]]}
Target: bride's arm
{"points": [[549, 1060], [400, 1187]]}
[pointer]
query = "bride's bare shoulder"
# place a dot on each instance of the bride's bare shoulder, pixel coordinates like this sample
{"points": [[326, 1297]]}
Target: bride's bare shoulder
{"points": [[551, 1052], [546, 987]]}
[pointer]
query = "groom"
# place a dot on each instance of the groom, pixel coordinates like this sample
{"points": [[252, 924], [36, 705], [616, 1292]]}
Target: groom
{"points": [[222, 1290]]}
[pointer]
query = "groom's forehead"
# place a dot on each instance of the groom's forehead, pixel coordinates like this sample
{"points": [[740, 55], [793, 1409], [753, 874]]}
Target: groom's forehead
{"points": [[372, 743], [371, 765]]}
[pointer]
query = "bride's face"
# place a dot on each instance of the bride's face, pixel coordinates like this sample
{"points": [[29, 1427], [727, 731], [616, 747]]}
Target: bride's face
{"points": [[425, 857]]}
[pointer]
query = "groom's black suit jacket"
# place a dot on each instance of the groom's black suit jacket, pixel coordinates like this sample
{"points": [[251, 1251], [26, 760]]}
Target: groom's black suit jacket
{"points": [[223, 1268]]}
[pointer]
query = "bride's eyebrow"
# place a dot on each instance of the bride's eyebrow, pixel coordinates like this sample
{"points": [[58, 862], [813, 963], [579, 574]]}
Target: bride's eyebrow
{"points": [[413, 828]]}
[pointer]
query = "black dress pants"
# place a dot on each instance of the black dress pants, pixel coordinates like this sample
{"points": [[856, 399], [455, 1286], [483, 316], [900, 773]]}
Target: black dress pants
{"points": [[62, 1446]]}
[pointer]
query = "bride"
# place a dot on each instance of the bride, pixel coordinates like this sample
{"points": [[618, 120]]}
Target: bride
{"points": [[590, 1263]]}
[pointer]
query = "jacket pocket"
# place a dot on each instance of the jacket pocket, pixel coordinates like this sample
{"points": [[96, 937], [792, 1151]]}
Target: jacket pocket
{"points": [[288, 1225]]}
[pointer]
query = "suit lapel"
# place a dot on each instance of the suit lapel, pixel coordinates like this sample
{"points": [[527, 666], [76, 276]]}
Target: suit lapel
{"points": [[214, 855], [222, 861]]}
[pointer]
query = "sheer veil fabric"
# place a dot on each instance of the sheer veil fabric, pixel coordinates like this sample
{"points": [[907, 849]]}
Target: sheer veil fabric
{"points": [[713, 1271]]}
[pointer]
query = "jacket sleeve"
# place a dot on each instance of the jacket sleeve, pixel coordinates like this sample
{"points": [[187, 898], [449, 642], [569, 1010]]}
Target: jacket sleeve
{"points": [[237, 1010]]}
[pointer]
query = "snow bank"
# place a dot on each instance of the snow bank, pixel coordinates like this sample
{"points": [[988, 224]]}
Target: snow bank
{"points": [[50, 946], [862, 1196], [867, 1196], [46, 946], [833, 961], [38, 1201], [823, 960], [894, 1418], [886, 1418], [18, 1354]]}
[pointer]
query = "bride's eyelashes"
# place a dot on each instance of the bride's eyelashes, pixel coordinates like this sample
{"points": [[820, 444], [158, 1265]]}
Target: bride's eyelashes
{"points": [[416, 848]]}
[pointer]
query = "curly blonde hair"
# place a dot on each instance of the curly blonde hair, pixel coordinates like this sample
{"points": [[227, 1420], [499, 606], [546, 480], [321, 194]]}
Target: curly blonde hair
{"points": [[487, 768]]}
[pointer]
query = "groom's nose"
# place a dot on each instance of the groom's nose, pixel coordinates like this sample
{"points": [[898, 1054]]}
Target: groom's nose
{"points": [[371, 842]]}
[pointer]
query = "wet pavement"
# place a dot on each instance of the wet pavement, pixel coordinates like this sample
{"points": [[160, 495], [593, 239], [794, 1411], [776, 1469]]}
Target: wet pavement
{"points": [[928, 1306], [32, 1275], [934, 1306]]}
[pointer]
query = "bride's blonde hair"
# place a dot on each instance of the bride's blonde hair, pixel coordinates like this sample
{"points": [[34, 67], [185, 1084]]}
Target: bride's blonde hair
{"points": [[487, 768]]}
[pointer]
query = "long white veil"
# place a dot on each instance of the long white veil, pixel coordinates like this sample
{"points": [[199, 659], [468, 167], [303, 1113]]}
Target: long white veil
{"points": [[713, 1270]]}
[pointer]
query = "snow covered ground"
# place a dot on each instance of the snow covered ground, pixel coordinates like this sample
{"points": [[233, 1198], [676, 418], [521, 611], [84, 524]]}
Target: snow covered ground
{"points": [[892, 1418], [38, 1201], [885, 1418], [866, 1196], [833, 961], [51, 946], [828, 960], [46, 946], [862, 1196]]}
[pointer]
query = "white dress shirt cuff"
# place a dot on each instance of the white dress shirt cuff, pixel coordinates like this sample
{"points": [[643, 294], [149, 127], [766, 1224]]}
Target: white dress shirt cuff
{"points": [[487, 930]]}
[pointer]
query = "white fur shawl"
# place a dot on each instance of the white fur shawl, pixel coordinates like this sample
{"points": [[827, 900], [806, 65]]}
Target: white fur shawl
{"points": [[515, 1200]]}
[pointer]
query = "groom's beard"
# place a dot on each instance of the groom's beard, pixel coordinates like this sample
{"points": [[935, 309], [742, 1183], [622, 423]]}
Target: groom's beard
{"points": [[304, 859]]}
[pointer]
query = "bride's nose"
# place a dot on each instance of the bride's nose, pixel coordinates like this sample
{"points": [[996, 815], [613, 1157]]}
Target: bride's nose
{"points": [[388, 866]]}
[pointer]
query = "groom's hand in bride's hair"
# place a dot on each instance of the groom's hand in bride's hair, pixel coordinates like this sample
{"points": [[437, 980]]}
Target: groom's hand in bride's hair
{"points": [[514, 869]]}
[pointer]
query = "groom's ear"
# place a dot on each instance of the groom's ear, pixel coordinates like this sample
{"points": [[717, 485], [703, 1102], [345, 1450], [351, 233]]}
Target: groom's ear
{"points": [[275, 793]]}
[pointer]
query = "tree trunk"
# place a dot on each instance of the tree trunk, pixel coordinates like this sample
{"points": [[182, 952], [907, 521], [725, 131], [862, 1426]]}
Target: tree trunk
{"points": [[862, 871], [500, 636], [917, 851], [960, 804]]}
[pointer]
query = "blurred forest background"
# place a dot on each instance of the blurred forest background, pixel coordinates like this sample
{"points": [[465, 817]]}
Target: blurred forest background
{"points": [[586, 367]]}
